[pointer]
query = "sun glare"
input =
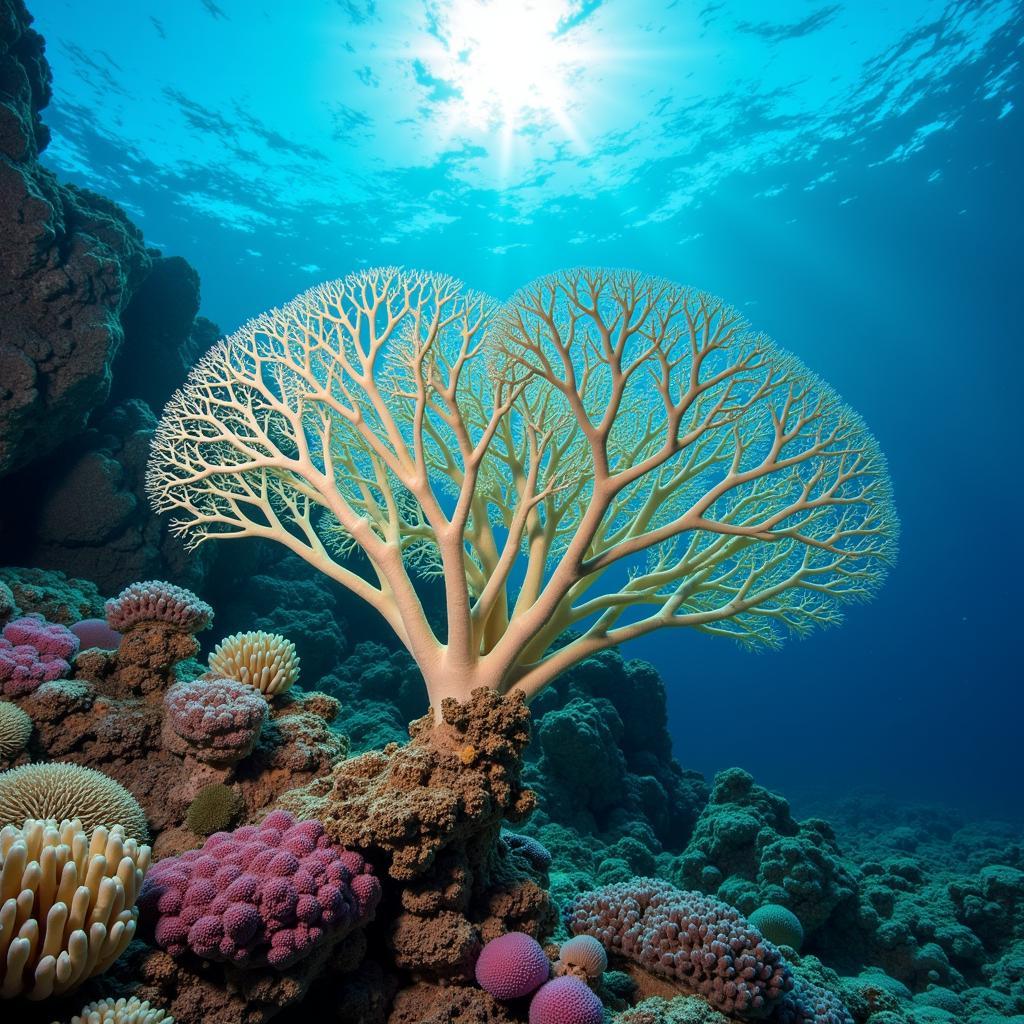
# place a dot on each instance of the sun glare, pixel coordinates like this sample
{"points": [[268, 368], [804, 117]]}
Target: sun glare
{"points": [[510, 61]]}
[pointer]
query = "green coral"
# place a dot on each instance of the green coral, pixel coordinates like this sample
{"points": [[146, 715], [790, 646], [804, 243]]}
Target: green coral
{"points": [[215, 808], [778, 924]]}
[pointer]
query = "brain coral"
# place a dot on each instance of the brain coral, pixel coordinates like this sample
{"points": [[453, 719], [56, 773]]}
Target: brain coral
{"points": [[582, 954], [69, 791], [157, 601], [67, 906], [266, 661], [512, 966], [121, 1011], [15, 730], [219, 718], [34, 651], [698, 941], [566, 1001], [778, 924], [263, 894]]}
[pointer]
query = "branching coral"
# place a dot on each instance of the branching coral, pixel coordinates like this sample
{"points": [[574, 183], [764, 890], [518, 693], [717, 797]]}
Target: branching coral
{"points": [[69, 791], [599, 427], [265, 661], [67, 904]]}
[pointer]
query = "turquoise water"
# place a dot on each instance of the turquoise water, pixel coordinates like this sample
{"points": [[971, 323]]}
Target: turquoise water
{"points": [[846, 175]]}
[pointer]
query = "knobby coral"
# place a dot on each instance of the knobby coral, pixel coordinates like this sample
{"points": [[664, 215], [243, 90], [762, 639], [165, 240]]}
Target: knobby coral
{"points": [[263, 894], [158, 601], [598, 420], [512, 966], [266, 661], [67, 904], [34, 651], [566, 1000], [220, 719], [69, 792]]}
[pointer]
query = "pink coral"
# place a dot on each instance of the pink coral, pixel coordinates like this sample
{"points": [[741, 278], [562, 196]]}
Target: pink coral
{"points": [[158, 601], [705, 946], [263, 894], [566, 1001], [34, 651], [512, 966], [700, 942], [220, 718], [96, 633]]}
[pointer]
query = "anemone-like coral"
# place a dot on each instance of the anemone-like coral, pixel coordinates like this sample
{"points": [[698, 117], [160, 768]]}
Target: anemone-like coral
{"points": [[265, 661], [34, 651], [67, 905], [219, 719], [68, 792], [512, 966], [121, 1011], [15, 730], [263, 894], [158, 601]]}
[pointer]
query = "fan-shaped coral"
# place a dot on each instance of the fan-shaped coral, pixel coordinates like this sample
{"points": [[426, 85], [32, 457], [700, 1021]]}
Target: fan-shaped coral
{"points": [[265, 661], [34, 651], [157, 601], [68, 792], [121, 1011], [582, 955], [67, 904], [265, 894], [15, 730], [220, 719]]}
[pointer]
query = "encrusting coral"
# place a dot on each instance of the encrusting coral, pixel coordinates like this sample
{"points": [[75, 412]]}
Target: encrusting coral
{"points": [[216, 807], [67, 904], [70, 791], [219, 719], [265, 661], [34, 651], [121, 1011], [15, 731]]}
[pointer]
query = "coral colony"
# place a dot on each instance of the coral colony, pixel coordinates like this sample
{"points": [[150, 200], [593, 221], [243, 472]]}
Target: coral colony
{"points": [[459, 805]]}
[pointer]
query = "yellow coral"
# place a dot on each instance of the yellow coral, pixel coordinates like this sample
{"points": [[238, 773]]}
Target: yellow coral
{"points": [[67, 791], [67, 904], [121, 1011], [266, 661], [15, 729]]}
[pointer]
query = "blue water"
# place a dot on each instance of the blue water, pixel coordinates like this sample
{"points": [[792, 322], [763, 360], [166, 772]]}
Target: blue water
{"points": [[849, 178]]}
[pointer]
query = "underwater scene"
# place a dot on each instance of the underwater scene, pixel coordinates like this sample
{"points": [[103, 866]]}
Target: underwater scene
{"points": [[508, 512]]}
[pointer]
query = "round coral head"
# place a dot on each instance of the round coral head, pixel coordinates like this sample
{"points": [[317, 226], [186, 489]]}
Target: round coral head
{"points": [[96, 633], [512, 966], [566, 1001]]}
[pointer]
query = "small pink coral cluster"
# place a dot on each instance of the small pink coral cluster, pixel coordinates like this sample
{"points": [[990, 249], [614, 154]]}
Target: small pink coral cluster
{"points": [[514, 966], [700, 942], [220, 718], [263, 894], [34, 651], [157, 601]]}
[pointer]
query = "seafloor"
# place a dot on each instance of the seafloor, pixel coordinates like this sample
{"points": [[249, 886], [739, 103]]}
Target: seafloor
{"points": [[572, 815]]}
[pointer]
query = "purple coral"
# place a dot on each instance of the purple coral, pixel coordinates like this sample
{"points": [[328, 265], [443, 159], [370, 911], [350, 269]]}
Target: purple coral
{"points": [[263, 894], [705, 946], [34, 651], [220, 718], [566, 1001], [512, 966], [698, 941], [158, 601]]}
